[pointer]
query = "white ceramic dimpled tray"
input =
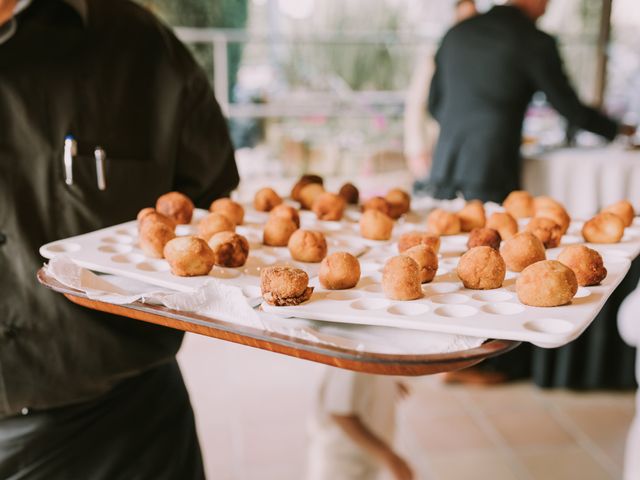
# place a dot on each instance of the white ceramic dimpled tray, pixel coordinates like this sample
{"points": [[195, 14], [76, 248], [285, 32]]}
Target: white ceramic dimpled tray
{"points": [[115, 250], [448, 307]]}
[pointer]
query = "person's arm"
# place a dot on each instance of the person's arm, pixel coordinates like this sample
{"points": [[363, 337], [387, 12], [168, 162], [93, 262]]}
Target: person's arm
{"points": [[205, 167], [546, 69], [417, 145], [435, 90], [358, 432]]}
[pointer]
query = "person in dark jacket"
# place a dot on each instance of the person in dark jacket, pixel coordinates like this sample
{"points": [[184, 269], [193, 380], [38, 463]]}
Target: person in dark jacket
{"points": [[85, 394], [487, 70]]}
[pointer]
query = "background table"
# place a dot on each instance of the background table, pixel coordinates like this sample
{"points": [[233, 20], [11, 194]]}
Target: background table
{"points": [[585, 179]]}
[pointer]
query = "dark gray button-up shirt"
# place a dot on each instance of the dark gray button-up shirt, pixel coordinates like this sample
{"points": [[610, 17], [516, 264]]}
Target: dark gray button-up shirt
{"points": [[110, 74]]}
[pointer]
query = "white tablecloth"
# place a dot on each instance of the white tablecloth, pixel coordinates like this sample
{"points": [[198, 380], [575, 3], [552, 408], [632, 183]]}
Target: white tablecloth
{"points": [[585, 179]]}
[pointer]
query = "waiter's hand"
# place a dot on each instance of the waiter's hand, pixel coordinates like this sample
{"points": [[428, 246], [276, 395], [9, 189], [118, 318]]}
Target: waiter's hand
{"points": [[628, 130]]}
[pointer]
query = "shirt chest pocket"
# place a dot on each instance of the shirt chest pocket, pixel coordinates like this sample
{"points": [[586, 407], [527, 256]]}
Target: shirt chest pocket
{"points": [[110, 190]]}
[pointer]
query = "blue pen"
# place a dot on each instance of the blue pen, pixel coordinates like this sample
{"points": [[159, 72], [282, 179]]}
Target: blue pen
{"points": [[70, 150]]}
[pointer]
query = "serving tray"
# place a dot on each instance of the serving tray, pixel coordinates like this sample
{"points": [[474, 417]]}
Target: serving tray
{"points": [[446, 306], [115, 250]]}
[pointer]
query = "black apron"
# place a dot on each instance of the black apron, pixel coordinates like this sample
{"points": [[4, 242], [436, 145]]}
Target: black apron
{"points": [[142, 429]]}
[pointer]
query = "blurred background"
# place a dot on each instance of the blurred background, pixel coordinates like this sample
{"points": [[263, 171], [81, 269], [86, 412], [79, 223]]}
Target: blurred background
{"points": [[311, 85], [324, 86]]}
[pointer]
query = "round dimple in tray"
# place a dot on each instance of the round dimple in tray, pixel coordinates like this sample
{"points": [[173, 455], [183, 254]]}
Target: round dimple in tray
{"points": [[456, 311], [124, 239], [408, 309], [370, 304], [450, 298], [131, 258], [115, 248], [128, 231], [368, 280], [503, 308], [440, 288], [492, 296], [153, 266], [118, 238], [63, 247], [373, 288], [549, 325]]}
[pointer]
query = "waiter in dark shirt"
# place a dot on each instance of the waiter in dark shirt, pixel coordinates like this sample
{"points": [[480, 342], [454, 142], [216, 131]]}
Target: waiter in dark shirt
{"points": [[487, 70], [85, 394]]}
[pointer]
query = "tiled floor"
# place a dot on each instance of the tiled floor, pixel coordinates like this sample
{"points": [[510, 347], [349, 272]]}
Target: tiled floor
{"points": [[252, 408]]}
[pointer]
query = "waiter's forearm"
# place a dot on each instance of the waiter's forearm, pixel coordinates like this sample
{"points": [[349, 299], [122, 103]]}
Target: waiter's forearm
{"points": [[597, 122]]}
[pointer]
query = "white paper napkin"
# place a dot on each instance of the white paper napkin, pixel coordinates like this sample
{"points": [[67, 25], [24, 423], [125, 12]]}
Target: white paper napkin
{"points": [[221, 301]]}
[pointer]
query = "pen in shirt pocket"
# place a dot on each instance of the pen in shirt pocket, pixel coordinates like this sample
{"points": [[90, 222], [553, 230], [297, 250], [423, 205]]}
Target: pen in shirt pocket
{"points": [[70, 151], [100, 156]]}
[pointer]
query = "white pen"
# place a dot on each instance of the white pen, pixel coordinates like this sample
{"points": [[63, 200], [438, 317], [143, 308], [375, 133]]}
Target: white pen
{"points": [[70, 150], [101, 156]]}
